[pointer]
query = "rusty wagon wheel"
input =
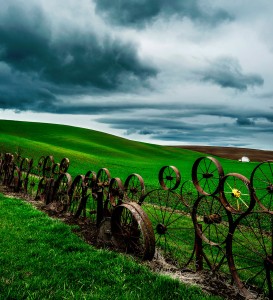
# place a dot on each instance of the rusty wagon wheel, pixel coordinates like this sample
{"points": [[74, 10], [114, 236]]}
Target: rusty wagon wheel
{"points": [[76, 194], [116, 192], [60, 194], [44, 190], [48, 166], [56, 171], [188, 193], [103, 181], [132, 231], [206, 175], [64, 165], [212, 224], [261, 180], [169, 177], [25, 168], [89, 200], [40, 166], [172, 224], [235, 193], [15, 179], [250, 255], [134, 187]]}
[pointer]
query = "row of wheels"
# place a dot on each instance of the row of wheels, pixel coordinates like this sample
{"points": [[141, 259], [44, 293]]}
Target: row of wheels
{"points": [[223, 221]]}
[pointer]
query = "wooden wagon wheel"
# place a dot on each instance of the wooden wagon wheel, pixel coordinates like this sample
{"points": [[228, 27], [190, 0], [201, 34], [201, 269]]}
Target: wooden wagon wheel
{"points": [[76, 194], [206, 175], [64, 165], [61, 189], [89, 201], [25, 168], [48, 166], [116, 192]]}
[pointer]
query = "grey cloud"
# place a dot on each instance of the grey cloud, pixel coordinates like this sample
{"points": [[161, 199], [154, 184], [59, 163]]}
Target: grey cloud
{"points": [[227, 73], [245, 121], [139, 13], [76, 58]]}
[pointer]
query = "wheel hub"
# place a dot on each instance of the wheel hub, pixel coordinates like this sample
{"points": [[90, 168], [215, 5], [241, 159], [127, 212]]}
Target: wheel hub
{"points": [[236, 193], [161, 229], [207, 175], [268, 262], [212, 219], [270, 189]]}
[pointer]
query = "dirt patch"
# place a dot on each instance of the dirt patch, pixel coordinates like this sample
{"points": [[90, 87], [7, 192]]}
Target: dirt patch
{"points": [[233, 152], [210, 283]]}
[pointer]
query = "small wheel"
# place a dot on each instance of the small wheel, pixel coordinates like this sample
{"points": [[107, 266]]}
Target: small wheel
{"points": [[134, 188], [172, 224], [188, 193], [262, 181], [169, 177], [212, 224], [43, 190], [206, 175], [103, 181], [15, 179], [48, 166], [235, 193], [76, 194], [132, 231], [250, 255], [25, 168], [40, 166], [61, 188], [56, 171], [116, 191], [64, 165], [90, 179]]}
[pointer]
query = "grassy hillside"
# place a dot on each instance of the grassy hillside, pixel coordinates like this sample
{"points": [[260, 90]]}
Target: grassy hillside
{"points": [[92, 150]]}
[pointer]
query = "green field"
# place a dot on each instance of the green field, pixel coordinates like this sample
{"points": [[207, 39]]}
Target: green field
{"points": [[91, 150]]}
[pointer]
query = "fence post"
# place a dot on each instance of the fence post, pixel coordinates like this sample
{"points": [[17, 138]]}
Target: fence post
{"points": [[198, 250]]}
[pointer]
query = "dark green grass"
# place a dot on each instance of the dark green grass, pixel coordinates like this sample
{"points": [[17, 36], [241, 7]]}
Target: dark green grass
{"points": [[41, 258]]}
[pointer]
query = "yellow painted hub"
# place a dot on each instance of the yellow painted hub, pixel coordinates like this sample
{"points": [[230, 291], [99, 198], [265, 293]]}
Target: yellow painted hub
{"points": [[236, 193]]}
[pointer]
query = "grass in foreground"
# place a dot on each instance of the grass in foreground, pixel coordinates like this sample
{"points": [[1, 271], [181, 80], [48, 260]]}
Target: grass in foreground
{"points": [[41, 258]]}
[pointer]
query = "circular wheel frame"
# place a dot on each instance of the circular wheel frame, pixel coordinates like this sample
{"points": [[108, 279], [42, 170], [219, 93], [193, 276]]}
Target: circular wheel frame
{"points": [[262, 182], [61, 188], [169, 177], [48, 166], [134, 188], [76, 195], [235, 193], [206, 175], [172, 224], [132, 231]]}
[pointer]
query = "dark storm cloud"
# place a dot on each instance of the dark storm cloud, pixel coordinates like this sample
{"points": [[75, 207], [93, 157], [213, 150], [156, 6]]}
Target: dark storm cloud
{"points": [[140, 12], [245, 121], [75, 58], [227, 73]]}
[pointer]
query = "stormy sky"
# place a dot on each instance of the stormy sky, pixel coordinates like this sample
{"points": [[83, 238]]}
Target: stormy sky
{"points": [[159, 71]]}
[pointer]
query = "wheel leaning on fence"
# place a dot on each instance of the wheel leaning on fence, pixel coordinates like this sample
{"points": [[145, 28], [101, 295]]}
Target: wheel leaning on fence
{"points": [[134, 188], [132, 231], [207, 173], [261, 180]]}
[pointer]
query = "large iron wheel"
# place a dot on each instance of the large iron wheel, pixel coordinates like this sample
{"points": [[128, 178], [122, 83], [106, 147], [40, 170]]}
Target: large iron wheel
{"points": [[236, 193], [206, 175], [250, 254], [64, 165], [172, 224], [212, 224], [134, 188], [76, 194], [132, 231], [169, 177], [48, 166], [61, 187], [262, 181], [116, 192]]}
